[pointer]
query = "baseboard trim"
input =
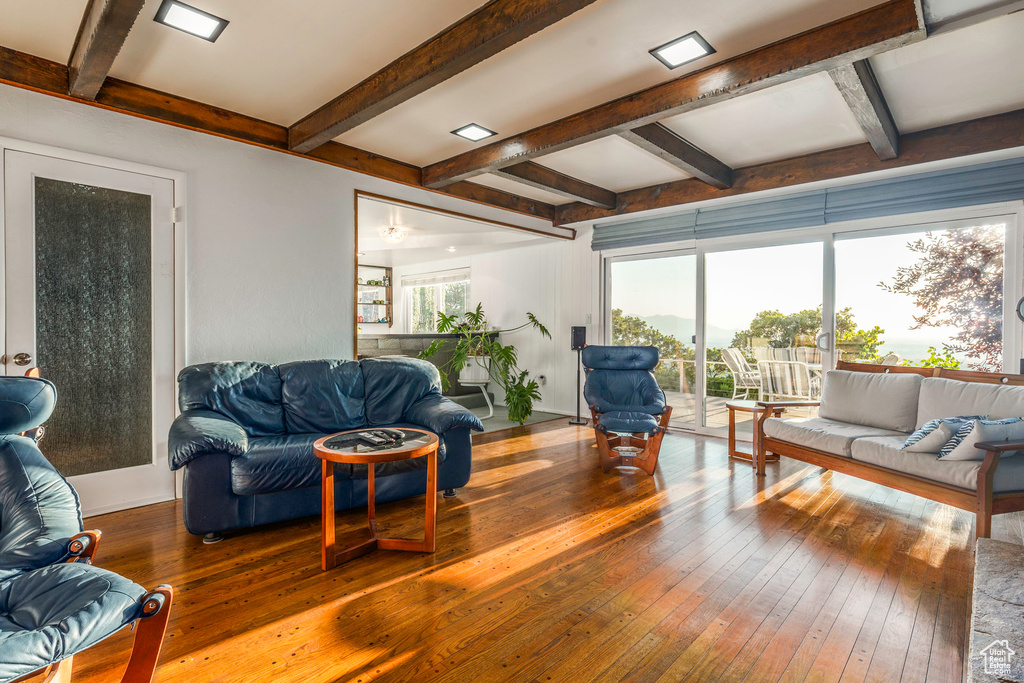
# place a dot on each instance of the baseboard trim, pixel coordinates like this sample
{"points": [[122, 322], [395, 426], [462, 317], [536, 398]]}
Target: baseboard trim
{"points": [[127, 505]]}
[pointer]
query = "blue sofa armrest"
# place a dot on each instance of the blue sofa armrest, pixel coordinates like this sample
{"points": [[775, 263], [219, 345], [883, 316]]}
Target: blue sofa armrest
{"points": [[197, 432], [439, 414]]}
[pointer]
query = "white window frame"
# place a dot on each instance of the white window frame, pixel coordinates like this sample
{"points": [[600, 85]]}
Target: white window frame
{"points": [[1013, 270], [436, 280]]}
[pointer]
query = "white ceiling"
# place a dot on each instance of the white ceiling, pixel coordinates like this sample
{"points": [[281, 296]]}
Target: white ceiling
{"points": [[803, 116], [614, 164], [966, 74], [44, 29], [278, 60], [597, 54], [429, 235]]}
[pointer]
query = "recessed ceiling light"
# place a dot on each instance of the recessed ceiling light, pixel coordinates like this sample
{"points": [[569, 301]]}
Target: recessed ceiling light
{"points": [[682, 50], [473, 132], [450, 249], [190, 20]]}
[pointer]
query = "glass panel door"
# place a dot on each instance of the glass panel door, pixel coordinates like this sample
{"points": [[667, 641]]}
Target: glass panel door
{"points": [[763, 311], [931, 297], [89, 288], [653, 301]]}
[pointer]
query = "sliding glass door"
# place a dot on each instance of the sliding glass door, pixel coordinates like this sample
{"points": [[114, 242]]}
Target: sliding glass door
{"points": [[653, 301], [763, 316], [929, 296], [766, 317]]}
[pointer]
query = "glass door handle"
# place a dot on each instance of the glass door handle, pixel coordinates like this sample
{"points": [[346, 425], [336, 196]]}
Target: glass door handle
{"points": [[822, 342]]}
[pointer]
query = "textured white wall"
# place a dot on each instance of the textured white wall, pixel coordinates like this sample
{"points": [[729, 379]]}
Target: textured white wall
{"points": [[558, 282], [270, 244]]}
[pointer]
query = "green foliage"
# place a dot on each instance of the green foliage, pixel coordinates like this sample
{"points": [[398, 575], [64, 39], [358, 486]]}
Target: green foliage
{"points": [[781, 331], [934, 360], [475, 340]]}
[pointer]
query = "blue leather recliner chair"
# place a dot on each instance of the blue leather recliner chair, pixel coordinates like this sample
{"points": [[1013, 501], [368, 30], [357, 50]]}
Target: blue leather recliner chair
{"points": [[53, 602], [629, 409], [246, 431]]}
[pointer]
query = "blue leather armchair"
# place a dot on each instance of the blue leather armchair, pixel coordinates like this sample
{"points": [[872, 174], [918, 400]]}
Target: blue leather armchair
{"points": [[629, 409], [246, 431], [53, 603]]}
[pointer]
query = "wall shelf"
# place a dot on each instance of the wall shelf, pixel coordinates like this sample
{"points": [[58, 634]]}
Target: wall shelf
{"points": [[384, 274]]}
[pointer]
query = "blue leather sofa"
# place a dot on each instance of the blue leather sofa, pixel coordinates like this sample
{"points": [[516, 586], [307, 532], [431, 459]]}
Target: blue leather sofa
{"points": [[246, 431], [53, 603]]}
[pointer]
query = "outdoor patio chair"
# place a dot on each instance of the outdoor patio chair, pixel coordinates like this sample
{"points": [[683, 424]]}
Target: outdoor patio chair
{"points": [[744, 377], [781, 379]]}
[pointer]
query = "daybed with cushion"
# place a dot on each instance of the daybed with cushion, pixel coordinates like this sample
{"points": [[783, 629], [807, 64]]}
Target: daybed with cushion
{"points": [[246, 431], [53, 603], [867, 414]]}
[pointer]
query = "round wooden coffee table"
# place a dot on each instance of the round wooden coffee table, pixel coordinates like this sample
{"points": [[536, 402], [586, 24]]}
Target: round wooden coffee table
{"points": [[339, 448]]}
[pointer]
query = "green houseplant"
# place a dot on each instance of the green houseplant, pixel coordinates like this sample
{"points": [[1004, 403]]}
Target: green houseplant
{"points": [[480, 350]]}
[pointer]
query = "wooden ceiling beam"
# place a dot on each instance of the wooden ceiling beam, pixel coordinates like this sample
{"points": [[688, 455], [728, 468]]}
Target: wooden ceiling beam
{"points": [[988, 134], [101, 35], [665, 144], [544, 178], [860, 89], [878, 29], [51, 78], [482, 34]]}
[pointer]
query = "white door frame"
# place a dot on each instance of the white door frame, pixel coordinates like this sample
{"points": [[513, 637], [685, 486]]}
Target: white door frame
{"points": [[698, 272], [180, 227]]}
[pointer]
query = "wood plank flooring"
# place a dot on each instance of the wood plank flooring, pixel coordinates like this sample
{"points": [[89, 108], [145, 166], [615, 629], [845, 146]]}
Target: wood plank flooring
{"points": [[549, 570]]}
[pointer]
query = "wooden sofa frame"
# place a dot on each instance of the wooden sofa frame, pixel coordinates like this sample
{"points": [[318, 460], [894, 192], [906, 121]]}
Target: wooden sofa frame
{"points": [[983, 502]]}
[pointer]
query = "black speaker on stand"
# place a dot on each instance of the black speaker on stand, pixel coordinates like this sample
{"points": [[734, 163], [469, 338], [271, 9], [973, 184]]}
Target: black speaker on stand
{"points": [[579, 340]]}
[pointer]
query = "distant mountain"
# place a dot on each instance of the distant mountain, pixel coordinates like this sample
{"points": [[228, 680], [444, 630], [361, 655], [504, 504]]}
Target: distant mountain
{"points": [[683, 329]]}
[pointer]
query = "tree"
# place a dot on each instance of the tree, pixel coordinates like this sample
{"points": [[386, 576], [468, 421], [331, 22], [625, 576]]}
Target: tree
{"points": [[629, 330], [782, 331], [958, 281]]}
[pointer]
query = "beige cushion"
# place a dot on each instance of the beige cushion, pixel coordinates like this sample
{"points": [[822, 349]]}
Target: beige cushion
{"points": [[822, 434], [945, 397], [884, 451], [874, 399]]}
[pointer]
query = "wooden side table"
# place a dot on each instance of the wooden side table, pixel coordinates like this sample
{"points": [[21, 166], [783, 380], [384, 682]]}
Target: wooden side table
{"points": [[332, 449], [751, 407]]}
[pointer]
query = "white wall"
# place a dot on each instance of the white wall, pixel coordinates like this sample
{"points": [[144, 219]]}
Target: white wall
{"points": [[270, 236], [558, 282]]}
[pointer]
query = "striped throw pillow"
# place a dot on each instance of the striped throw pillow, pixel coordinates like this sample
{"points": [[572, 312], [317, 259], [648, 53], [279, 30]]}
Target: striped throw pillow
{"points": [[934, 434], [961, 446]]}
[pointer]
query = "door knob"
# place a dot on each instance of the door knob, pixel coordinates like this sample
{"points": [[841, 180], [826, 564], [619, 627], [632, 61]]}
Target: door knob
{"points": [[22, 358]]}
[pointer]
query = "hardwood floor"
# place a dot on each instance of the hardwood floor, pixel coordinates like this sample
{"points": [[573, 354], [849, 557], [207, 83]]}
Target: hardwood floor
{"points": [[549, 570]]}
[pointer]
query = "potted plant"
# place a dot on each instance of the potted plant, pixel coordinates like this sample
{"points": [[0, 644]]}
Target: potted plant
{"points": [[479, 355]]}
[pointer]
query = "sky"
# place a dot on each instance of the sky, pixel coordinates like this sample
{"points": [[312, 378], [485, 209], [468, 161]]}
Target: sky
{"points": [[786, 278]]}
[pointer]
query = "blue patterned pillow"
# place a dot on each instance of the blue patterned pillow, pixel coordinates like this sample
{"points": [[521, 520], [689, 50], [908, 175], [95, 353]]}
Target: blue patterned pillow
{"points": [[961, 446], [934, 434]]}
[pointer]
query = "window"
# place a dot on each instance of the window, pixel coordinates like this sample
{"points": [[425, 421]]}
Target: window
{"points": [[425, 295]]}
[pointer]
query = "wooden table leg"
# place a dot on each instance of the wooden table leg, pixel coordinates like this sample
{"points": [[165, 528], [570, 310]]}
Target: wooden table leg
{"points": [[327, 552], [427, 545], [732, 430], [757, 459], [430, 520]]}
